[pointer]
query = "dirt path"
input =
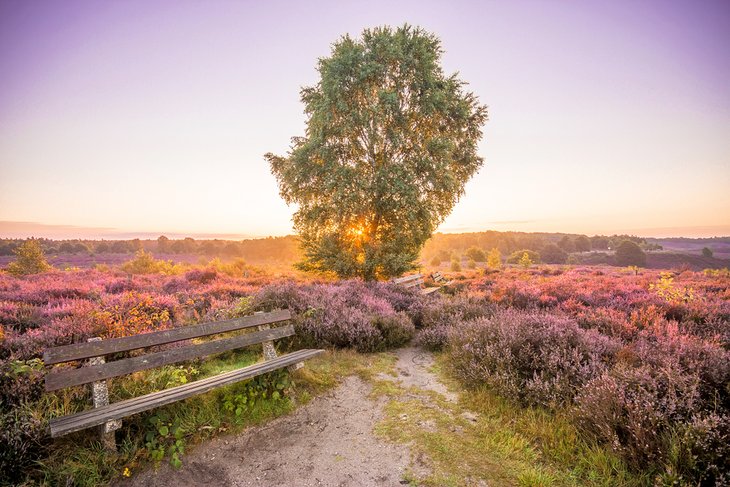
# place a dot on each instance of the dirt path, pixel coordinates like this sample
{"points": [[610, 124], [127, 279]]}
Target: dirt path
{"points": [[328, 442]]}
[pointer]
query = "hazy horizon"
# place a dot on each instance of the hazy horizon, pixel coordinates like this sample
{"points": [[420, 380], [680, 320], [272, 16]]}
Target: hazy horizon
{"points": [[70, 232], [149, 118]]}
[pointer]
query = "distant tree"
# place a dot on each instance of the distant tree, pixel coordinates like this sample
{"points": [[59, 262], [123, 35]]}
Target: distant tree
{"points": [[436, 261], [120, 247], [476, 254], [101, 248], [471, 264], [80, 248], [494, 259], [599, 243], [582, 244], [525, 260], [177, 247], [66, 248], [566, 243], [163, 244], [30, 259], [390, 143], [232, 249], [707, 252], [190, 246], [517, 255], [552, 254], [629, 253], [455, 265]]}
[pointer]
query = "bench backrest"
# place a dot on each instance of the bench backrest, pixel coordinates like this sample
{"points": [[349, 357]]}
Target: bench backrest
{"points": [[438, 277], [414, 280], [58, 379]]}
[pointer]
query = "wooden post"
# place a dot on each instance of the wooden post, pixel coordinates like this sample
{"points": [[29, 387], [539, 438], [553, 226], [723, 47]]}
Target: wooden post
{"points": [[268, 346], [270, 351], [100, 395]]}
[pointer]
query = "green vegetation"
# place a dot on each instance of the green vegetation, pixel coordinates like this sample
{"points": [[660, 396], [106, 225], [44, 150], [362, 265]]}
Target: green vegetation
{"points": [[30, 259], [165, 433], [390, 143], [485, 438], [494, 259], [522, 257], [629, 253]]}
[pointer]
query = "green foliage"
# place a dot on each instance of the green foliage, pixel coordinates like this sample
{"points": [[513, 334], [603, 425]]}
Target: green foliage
{"points": [[30, 259], [552, 254], [669, 291], [629, 253], [525, 260], [273, 387], [494, 259], [455, 265], [470, 264], [165, 436], [436, 261], [476, 254], [145, 263], [582, 243], [390, 143], [518, 257]]}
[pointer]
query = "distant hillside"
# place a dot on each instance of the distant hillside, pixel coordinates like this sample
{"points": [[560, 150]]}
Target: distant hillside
{"points": [[596, 249]]}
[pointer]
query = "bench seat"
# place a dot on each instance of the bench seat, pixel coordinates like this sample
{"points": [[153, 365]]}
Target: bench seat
{"points": [[101, 415]]}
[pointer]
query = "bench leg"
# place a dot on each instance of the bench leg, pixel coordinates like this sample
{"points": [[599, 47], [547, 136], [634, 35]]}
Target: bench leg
{"points": [[100, 395], [269, 350], [295, 367]]}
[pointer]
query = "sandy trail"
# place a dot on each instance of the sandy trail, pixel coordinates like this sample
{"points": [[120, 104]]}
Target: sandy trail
{"points": [[328, 442]]}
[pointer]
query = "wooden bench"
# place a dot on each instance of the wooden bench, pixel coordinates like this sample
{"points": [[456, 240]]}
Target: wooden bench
{"points": [[414, 281], [97, 370], [439, 279]]}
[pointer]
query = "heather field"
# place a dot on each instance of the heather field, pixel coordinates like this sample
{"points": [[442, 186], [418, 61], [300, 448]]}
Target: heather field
{"points": [[635, 360]]}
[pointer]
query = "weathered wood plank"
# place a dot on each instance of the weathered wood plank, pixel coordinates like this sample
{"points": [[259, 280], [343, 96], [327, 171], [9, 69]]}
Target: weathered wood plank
{"points": [[119, 410], [79, 351], [403, 280], [59, 379]]}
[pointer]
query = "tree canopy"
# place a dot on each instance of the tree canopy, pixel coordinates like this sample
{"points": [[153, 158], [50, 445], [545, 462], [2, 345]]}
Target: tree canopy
{"points": [[389, 145]]}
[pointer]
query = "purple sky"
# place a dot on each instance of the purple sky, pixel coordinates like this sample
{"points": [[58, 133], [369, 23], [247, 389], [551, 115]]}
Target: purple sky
{"points": [[143, 116]]}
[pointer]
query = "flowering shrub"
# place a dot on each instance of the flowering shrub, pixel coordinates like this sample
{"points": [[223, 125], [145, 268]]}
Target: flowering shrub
{"points": [[347, 314], [535, 357]]}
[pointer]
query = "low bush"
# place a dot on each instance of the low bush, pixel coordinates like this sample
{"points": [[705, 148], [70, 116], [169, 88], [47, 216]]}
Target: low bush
{"points": [[533, 357], [350, 314]]}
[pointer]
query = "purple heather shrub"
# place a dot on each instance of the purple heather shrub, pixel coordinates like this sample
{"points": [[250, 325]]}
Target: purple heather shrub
{"points": [[530, 356], [440, 314], [349, 314]]}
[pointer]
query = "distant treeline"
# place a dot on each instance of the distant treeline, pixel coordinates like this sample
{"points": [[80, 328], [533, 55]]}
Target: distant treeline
{"points": [[269, 249], [456, 244]]}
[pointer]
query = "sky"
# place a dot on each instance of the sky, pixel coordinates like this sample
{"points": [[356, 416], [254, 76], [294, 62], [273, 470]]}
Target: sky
{"points": [[152, 117]]}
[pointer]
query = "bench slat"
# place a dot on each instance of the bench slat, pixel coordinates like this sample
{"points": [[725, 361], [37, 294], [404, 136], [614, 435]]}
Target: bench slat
{"points": [[78, 351], [122, 409], [403, 280], [67, 378]]}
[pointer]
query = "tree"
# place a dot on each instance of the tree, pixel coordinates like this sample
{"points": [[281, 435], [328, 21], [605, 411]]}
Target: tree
{"points": [[494, 259], [476, 254], [30, 259], [389, 145], [436, 261], [552, 254], [566, 244], [629, 253], [582, 244], [163, 244], [455, 265], [706, 252], [525, 260], [517, 255]]}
